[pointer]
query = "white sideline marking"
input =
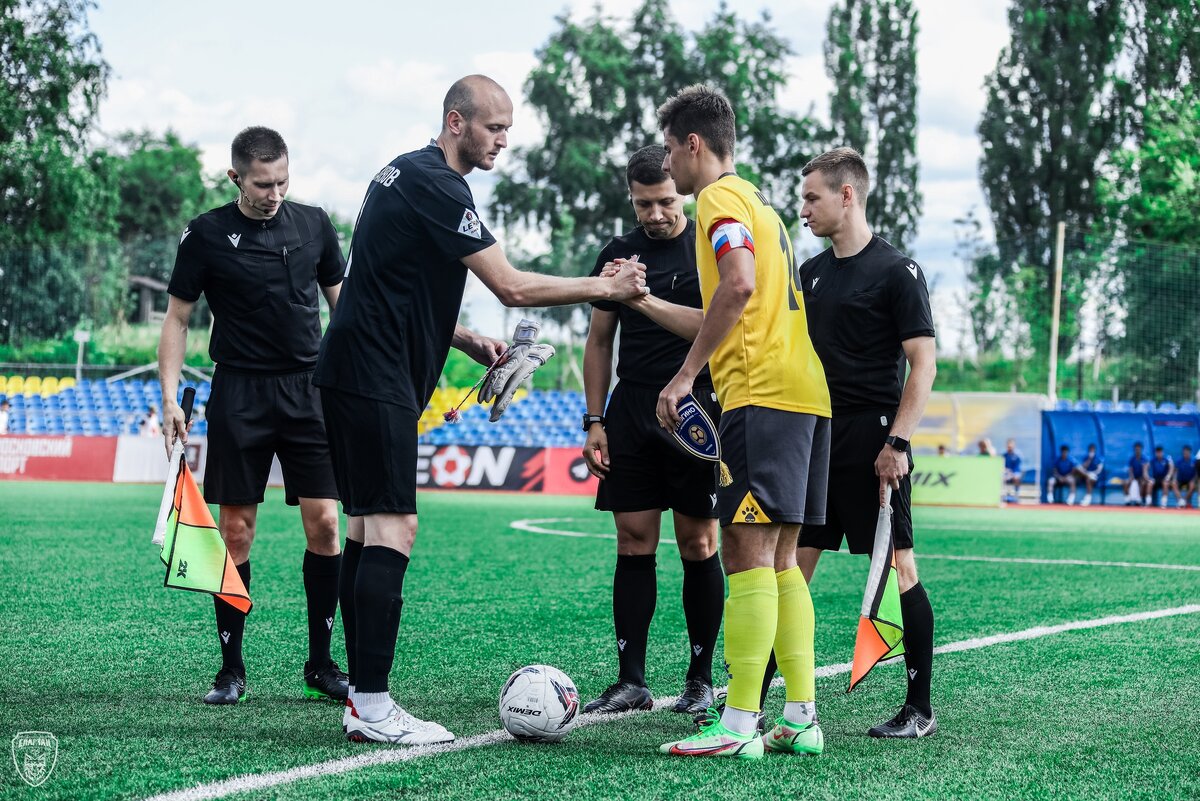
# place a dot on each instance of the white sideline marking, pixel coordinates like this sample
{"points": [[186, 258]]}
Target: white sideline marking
{"points": [[536, 527], [385, 756]]}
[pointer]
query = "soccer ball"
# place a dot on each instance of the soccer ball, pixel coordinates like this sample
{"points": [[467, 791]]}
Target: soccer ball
{"points": [[539, 704]]}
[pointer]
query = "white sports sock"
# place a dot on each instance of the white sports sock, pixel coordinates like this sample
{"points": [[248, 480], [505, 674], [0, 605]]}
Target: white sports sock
{"points": [[373, 707], [740, 721], [350, 694], [800, 711]]}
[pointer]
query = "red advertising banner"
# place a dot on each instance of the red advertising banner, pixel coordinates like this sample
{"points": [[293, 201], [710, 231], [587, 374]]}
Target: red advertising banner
{"points": [[567, 473], [37, 458]]}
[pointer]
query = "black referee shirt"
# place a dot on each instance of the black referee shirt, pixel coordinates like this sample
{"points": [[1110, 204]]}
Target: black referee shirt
{"points": [[648, 353], [859, 310], [396, 314], [260, 278]]}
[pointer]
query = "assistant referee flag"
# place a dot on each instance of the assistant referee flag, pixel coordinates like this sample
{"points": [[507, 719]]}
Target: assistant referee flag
{"points": [[880, 626], [191, 545]]}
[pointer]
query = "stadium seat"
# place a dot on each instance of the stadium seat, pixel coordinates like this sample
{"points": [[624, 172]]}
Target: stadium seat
{"points": [[1124, 406], [49, 386], [1062, 405], [1146, 406], [1083, 406], [33, 385], [1167, 406], [1188, 408], [66, 383], [16, 385], [1102, 406]]}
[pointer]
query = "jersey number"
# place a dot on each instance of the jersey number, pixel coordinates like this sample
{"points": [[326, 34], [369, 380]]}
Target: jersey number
{"points": [[789, 257]]}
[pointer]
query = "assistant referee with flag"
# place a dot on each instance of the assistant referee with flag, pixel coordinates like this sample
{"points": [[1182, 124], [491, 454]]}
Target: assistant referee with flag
{"points": [[868, 313]]}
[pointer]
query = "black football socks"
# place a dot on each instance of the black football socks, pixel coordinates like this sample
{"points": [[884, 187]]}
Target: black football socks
{"points": [[635, 593], [703, 606], [378, 594], [231, 626], [346, 578], [918, 646], [321, 593]]}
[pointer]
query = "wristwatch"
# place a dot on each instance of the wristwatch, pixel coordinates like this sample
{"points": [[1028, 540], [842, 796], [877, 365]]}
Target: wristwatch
{"points": [[588, 419], [898, 443]]}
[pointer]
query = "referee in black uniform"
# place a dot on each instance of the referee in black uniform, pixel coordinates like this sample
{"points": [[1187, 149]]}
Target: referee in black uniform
{"points": [[259, 261], [641, 471], [868, 313], [417, 235]]}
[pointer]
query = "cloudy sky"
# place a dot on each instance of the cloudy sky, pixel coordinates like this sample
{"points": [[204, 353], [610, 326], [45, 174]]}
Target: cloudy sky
{"points": [[352, 84]]}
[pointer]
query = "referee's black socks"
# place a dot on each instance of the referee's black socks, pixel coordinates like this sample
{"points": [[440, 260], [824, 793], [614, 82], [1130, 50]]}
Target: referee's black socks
{"points": [[321, 592], [378, 594], [703, 606], [918, 646], [635, 594], [231, 626], [349, 573]]}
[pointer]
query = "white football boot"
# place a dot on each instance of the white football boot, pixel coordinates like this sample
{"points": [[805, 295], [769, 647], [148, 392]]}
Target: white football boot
{"points": [[399, 727]]}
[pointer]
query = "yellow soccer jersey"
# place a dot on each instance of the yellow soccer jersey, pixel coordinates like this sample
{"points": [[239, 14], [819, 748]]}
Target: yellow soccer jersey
{"points": [[767, 359]]}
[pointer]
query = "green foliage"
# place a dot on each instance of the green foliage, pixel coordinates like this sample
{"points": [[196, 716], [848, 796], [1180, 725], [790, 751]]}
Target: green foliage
{"points": [[595, 89], [871, 57], [1048, 121]]}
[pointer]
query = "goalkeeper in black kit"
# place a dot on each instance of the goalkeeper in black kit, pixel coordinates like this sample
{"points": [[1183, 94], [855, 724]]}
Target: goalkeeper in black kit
{"points": [[417, 235]]}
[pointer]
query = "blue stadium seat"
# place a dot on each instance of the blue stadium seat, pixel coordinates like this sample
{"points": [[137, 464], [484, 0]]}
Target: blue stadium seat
{"points": [[1062, 405], [1124, 406], [1146, 406], [1167, 407], [1188, 408], [1083, 406]]}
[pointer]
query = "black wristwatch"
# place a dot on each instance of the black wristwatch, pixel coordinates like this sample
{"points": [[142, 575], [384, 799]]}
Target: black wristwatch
{"points": [[588, 419], [898, 443]]}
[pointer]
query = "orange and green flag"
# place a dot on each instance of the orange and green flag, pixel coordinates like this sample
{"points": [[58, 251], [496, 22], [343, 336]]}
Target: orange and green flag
{"points": [[880, 626], [192, 548]]}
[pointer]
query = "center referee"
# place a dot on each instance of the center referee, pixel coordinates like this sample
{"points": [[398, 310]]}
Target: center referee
{"points": [[641, 471]]}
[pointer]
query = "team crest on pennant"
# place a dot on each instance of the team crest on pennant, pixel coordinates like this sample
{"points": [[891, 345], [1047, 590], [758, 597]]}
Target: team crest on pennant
{"points": [[698, 436], [35, 754]]}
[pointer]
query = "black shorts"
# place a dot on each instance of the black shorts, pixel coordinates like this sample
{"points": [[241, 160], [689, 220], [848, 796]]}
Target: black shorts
{"points": [[374, 446], [853, 507], [649, 470], [251, 419], [779, 462]]}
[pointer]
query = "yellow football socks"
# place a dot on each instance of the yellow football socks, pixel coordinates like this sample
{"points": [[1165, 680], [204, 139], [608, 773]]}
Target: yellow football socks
{"points": [[794, 636], [750, 615]]}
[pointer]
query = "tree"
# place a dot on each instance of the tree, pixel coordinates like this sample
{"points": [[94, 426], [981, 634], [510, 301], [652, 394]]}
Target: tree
{"points": [[55, 201], [871, 57], [1163, 46], [1046, 125], [596, 88], [1154, 195]]}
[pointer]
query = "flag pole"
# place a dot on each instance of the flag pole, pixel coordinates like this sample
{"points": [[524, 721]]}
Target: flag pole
{"points": [[168, 498]]}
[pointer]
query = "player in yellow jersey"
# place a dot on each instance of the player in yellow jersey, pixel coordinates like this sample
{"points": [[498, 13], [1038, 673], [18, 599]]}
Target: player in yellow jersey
{"points": [[774, 428]]}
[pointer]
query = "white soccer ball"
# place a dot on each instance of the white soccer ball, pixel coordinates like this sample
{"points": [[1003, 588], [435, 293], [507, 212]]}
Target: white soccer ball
{"points": [[539, 703]]}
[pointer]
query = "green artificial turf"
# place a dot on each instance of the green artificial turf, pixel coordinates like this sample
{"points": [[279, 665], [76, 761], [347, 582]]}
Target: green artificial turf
{"points": [[96, 651]]}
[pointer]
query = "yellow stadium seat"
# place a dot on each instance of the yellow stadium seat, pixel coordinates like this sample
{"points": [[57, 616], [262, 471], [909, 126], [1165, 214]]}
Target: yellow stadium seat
{"points": [[33, 385], [65, 383], [49, 386], [16, 385]]}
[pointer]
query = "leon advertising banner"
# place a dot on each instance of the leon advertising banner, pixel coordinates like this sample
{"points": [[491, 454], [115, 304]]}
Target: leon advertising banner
{"points": [[957, 480]]}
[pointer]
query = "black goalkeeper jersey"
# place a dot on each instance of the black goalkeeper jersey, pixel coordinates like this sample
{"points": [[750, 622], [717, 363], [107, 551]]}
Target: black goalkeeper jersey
{"points": [[395, 319], [860, 309], [260, 278], [649, 354]]}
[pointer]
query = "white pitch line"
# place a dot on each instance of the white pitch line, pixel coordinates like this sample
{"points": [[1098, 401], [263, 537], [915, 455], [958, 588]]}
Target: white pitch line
{"points": [[537, 527], [385, 756]]}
